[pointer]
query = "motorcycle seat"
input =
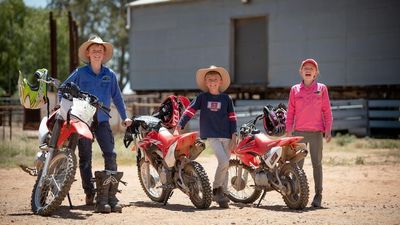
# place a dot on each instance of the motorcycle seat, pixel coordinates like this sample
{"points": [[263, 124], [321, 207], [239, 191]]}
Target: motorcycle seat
{"points": [[166, 137], [264, 140]]}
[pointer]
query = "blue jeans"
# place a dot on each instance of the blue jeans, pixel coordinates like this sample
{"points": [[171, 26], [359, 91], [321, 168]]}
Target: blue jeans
{"points": [[105, 139]]}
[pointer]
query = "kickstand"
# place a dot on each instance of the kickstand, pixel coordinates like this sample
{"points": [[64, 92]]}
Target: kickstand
{"points": [[70, 202], [262, 197], [167, 196]]}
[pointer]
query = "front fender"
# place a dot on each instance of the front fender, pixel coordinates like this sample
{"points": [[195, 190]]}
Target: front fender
{"points": [[75, 126]]}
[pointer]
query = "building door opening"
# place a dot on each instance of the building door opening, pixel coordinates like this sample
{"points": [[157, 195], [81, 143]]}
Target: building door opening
{"points": [[251, 51]]}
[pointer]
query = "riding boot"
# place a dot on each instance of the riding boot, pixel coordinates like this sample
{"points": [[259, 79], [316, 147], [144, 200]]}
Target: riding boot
{"points": [[102, 189], [89, 200], [317, 200], [112, 199], [220, 198]]}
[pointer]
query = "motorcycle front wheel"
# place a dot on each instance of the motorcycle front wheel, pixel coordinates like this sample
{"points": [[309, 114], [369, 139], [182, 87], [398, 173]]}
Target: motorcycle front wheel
{"points": [[241, 184], [297, 190], [150, 181], [195, 177], [49, 193]]}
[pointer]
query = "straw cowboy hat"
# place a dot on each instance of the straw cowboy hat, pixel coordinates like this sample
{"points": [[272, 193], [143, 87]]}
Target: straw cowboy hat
{"points": [[95, 40], [201, 73]]}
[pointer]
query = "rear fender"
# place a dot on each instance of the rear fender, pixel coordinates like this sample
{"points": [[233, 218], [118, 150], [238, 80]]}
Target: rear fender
{"points": [[290, 140], [299, 156], [185, 141]]}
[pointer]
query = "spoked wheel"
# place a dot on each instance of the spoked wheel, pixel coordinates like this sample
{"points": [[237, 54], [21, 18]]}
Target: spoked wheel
{"points": [[150, 181], [49, 192], [241, 185], [295, 181], [194, 176]]}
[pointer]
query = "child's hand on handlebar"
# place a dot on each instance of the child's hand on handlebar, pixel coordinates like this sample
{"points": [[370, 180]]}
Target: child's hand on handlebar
{"points": [[127, 122]]}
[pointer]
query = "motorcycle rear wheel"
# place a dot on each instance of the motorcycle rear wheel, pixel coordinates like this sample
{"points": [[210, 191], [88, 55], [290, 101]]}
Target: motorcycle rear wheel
{"points": [[295, 181], [57, 183], [150, 182], [195, 177], [243, 190]]}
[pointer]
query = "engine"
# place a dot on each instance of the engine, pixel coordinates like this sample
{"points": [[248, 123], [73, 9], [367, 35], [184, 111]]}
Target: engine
{"points": [[262, 178]]}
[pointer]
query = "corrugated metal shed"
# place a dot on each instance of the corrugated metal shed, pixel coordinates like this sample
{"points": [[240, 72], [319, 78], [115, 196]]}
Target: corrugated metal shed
{"points": [[356, 42]]}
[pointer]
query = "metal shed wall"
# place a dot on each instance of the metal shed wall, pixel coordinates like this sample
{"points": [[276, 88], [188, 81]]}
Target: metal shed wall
{"points": [[356, 42]]}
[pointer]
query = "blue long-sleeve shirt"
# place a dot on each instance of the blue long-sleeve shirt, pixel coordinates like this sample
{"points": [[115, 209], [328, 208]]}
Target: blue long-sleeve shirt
{"points": [[217, 115], [103, 85]]}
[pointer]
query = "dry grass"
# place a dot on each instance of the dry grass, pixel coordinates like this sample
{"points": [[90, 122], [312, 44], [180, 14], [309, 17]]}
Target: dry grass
{"points": [[342, 150]]}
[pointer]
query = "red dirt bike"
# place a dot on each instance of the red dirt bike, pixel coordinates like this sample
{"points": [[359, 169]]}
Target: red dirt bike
{"points": [[56, 163], [166, 161], [265, 164]]}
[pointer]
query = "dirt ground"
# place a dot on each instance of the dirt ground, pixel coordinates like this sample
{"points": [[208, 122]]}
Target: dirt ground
{"points": [[353, 194]]}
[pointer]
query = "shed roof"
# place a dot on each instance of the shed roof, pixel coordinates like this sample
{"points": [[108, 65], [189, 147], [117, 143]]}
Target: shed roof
{"points": [[139, 3]]}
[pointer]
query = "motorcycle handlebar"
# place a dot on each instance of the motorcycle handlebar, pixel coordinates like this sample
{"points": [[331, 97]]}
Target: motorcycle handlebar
{"points": [[259, 117], [71, 90], [250, 126]]}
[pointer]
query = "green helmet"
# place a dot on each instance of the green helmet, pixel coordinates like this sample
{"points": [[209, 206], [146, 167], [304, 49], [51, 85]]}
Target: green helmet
{"points": [[33, 92]]}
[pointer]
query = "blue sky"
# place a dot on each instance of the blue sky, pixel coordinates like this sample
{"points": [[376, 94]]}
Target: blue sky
{"points": [[36, 3]]}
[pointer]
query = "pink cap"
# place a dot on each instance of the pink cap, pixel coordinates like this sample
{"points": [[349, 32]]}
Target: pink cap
{"points": [[312, 61]]}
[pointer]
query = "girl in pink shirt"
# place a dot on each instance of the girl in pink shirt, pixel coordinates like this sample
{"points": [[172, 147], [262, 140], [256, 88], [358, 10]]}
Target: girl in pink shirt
{"points": [[309, 115]]}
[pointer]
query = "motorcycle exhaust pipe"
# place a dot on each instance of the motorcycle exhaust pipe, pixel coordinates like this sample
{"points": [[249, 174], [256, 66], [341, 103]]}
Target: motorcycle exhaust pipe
{"points": [[299, 156], [196, 149]]}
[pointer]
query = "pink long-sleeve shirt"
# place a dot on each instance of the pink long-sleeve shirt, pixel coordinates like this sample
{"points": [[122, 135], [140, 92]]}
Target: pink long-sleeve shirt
{"points": [[309, 108]]}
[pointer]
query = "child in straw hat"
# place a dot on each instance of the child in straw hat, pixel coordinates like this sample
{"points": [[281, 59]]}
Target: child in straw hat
{"points": [[99, 80], [217, 123]]}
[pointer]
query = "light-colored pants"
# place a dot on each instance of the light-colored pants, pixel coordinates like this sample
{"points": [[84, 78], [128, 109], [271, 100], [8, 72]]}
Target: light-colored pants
{"points": [[220, 146], [314, 139]]}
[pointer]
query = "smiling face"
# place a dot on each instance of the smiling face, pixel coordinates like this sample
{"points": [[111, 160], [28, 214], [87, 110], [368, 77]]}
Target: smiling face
{"points": [[213, 81], [96, 53], [308, 73]]}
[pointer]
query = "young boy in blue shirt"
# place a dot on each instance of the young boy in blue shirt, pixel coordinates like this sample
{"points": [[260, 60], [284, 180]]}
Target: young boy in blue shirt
{"points": [[217, 123], [99, 80]]}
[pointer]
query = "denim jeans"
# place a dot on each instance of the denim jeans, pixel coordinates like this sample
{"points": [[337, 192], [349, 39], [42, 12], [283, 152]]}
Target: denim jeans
{"points": [[105, 139]]}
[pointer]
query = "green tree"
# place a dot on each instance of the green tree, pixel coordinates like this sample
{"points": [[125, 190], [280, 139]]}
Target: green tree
{"points": [[105, 18], [25, 43], [12, 18], [37, 42]]}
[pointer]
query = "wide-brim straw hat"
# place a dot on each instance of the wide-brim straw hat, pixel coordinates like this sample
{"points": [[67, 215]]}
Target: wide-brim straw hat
{"points": [[201, 73], [95, 40]]}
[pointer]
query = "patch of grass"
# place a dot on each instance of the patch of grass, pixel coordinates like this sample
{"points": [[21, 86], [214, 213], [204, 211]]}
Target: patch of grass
{"points": [[16, 152], [383, 143], [360, 160], [333, 161], [22, 149], [343, 140]]}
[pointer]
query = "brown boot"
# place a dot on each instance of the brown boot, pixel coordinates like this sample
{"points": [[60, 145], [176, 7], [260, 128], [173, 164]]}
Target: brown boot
{"points": [[220, 198], [89, 200], [102, 188], [112, 199], [317, 201]]}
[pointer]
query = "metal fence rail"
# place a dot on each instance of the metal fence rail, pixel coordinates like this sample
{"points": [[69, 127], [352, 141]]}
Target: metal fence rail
{"points": [[356, 116]]}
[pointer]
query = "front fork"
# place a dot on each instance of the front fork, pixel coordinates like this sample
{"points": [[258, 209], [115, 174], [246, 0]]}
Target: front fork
{"points": [[238, 181], [52, 148]]}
